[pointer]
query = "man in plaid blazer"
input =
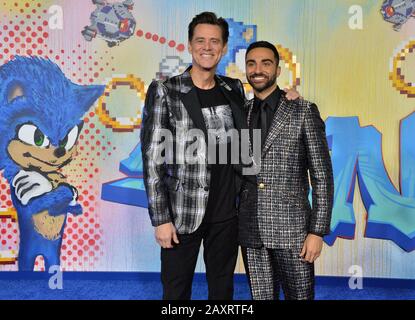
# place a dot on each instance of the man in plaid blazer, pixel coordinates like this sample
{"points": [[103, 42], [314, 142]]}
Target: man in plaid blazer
{"points": [[194, 202], [280, 233]]}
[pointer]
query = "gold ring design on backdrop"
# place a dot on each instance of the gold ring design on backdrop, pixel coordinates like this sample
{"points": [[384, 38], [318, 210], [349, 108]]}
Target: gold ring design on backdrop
{"points": [[396, 75], [121, 124], [291, 64]]}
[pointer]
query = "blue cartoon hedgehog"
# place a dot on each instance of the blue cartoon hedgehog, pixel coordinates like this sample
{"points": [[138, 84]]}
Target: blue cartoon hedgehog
{"points": [[40, 121], [241, 36]]}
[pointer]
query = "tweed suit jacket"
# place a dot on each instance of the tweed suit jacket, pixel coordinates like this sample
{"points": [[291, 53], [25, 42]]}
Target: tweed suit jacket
{"points": [[274, 209], [178, 191]]}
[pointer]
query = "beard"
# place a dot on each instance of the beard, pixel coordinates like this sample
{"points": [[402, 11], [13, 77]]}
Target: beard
{"points": [[262, 87]]}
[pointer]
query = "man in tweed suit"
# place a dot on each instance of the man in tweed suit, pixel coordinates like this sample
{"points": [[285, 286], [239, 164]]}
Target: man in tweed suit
{"points": [[280, 234], [191, 203]]}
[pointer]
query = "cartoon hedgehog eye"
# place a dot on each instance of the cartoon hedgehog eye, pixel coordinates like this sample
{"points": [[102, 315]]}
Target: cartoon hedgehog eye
{"points": [[31, 134], [70, 139]]}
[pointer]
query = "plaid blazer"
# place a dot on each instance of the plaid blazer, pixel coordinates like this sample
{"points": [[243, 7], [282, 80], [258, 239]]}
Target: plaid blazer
{"points": [[274, 209], [178, 192]]}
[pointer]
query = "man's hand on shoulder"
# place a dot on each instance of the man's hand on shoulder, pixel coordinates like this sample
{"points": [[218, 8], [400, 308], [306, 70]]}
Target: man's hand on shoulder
{"points": [[292, 94]]}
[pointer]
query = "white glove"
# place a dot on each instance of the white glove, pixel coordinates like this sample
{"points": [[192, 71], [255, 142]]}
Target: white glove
{"points": [[30, 184]]}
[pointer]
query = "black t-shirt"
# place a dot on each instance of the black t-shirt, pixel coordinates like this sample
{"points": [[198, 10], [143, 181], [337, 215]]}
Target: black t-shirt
{"points": [[218, 118]]}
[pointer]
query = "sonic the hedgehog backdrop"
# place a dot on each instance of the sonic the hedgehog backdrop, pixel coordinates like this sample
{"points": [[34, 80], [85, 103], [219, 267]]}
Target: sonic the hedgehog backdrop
{"points": [[73, 81]]}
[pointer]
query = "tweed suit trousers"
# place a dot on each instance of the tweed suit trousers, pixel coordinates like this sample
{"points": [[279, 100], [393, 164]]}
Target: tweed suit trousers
{"points": [[269, 270]]}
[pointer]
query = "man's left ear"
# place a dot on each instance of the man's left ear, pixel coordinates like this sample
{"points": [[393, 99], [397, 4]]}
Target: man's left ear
{"points": [[278, 71]]}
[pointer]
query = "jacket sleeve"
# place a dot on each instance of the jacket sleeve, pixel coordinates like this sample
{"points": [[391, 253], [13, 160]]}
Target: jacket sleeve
{"points": [[155, 116], [320, 169]]}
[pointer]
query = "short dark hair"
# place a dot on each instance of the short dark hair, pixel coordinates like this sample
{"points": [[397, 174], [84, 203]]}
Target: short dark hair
{"points": [[264, 44], [209, 18]]}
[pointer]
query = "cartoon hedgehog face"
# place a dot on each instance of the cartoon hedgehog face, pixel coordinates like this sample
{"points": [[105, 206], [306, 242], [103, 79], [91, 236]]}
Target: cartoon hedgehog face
{"points": [[41, 113], [40, 121], [31, 149]]}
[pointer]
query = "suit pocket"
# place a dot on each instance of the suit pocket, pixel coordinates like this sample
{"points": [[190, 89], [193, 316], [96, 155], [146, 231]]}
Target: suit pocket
{"points": [[172, 183], [243, 195], [299, 199]]}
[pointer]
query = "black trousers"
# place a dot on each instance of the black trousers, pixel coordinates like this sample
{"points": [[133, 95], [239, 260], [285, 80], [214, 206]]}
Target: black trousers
{"points": [[220, 255]]}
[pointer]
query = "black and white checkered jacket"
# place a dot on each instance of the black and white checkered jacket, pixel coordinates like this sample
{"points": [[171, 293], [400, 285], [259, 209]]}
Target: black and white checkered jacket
{"points": [[178, 192], [274, 208]]}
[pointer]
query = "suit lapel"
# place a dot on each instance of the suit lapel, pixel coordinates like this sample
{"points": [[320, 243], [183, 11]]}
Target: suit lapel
{"points": [[188, 96], [250, 106], [236, 103], [280, 119]]}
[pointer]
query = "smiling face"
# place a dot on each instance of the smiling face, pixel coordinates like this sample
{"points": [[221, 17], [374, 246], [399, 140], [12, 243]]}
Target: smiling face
{"points": [[262, 70], [207, 47], [31, 149]]}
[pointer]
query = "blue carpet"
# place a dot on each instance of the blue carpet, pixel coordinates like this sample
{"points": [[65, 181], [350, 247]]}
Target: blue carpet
{"points": [[151, 290]]}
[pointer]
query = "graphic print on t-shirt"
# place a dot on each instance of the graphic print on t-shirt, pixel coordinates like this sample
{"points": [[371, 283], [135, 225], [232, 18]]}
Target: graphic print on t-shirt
{"points": [[219, 121], [218, 118]]}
